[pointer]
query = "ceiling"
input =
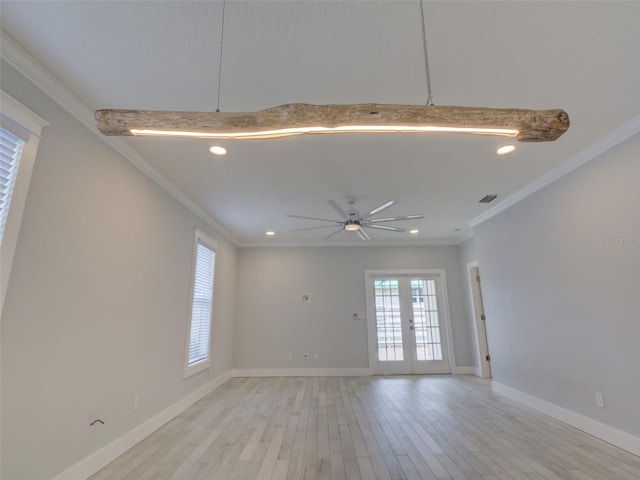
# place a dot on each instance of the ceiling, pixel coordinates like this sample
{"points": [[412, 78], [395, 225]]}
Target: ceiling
{"points": [[583, 57]]}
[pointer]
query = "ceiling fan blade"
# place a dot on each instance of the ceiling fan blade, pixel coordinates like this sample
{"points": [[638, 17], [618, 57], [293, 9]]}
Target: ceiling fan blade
{"points": [[338, 222], [337, 208], [391, 229], [379, 209], [393, 219], [363, 235], [332, 234], [312, 228]]}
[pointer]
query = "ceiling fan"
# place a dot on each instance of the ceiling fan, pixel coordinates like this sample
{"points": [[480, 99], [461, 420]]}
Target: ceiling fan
{"points": [[353, 221]]}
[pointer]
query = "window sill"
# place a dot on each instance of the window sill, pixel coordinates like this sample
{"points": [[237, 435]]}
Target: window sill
{"points": [[198, 367]]}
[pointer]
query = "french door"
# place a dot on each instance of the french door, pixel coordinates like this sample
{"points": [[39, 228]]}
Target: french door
{"points": [[406, 315]]}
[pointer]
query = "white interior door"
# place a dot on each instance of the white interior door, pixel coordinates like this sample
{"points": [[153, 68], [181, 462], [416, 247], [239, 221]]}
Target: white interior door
{"points": [[407, 316]]}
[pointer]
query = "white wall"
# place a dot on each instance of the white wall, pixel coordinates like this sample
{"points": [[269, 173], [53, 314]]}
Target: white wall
{"points": [[272, 320], [97, 301], [561, 280]]}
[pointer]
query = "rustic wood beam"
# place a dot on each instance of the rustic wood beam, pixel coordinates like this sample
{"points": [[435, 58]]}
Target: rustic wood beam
{"points": [[300, 118]]}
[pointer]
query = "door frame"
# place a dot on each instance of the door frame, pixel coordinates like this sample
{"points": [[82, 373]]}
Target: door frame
{"points": [[479, 325], [371, 311]]}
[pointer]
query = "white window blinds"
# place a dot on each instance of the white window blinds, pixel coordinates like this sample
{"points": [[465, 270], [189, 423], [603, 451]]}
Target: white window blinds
{"points": [[201, 304], [10, 152]]}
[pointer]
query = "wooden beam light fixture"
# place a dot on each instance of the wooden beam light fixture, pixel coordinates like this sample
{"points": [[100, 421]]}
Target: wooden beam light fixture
{"points": [[299, 119]]}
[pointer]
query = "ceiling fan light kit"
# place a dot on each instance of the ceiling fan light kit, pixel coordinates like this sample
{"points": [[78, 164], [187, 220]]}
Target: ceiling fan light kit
{"points": [[352, 227], [301, 118]]}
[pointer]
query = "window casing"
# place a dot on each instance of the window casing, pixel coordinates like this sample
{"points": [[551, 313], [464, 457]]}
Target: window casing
{"points": [[10, 153], [198, 345], [21, 136]]}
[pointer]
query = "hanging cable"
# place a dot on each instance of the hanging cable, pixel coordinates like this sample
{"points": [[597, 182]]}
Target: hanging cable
{"points": [[426, 56], [220, 56]]}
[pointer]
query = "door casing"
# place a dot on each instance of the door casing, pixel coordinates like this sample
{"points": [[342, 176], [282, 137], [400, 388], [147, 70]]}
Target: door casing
{"points": [[480, 329]]}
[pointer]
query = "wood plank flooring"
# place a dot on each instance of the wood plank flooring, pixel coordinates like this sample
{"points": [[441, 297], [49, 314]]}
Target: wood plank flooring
{"points": [[367, 428]]}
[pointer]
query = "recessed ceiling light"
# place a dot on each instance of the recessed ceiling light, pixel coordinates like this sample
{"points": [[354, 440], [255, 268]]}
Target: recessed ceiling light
{"points": [[506, 150], [414, 231], [218, 150], [270, 233]]}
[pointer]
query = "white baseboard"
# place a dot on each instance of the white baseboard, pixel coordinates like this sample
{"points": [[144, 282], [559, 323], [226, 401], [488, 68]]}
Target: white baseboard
{"points": [[466, 371], [611, 435], [328, 372], [301, 372], [98, 460]]}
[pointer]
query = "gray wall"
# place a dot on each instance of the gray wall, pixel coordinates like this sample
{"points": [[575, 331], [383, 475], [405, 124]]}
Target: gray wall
{"points": [[467, 254], [97, 302], [272, 320], [561, 278]]}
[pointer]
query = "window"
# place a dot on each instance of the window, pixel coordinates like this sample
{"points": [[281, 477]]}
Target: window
{"points": [[197, 356], [10, 152], [20, 131]]}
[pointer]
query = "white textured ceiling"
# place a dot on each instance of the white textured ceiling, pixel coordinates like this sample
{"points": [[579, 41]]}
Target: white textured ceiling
{"points": [[583, 57]]}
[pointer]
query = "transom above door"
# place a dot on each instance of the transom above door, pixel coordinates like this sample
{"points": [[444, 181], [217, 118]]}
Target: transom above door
{"points": [[408, 327]]}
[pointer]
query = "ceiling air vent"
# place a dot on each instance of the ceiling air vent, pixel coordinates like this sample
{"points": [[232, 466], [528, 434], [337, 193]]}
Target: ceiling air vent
{"points": [[488, 199]]}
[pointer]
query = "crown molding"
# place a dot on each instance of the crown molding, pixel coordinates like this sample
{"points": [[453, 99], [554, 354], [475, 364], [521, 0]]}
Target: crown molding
{"points": [[600, 146], [29, 67], [21, 114]]}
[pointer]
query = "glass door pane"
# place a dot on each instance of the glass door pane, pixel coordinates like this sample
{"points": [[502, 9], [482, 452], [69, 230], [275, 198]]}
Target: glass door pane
{"points": [[426, 320], [388, 320]]}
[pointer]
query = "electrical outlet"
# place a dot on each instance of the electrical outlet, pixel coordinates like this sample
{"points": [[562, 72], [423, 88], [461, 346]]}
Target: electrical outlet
{"points": [[306, 355], [306, 299], [599, 399], [136, 402]]}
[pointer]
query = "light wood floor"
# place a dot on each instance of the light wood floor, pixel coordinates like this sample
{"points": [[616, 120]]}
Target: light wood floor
{"points": [[414, 427]]}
